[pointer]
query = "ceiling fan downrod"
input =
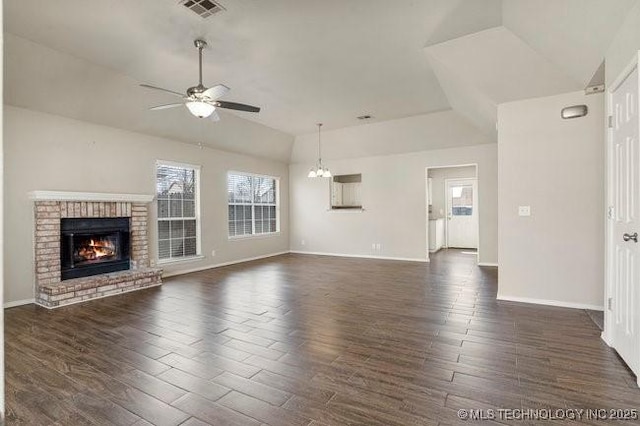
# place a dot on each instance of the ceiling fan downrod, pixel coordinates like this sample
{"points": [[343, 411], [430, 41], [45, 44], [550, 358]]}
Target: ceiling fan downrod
{"points": [[200, 44]]}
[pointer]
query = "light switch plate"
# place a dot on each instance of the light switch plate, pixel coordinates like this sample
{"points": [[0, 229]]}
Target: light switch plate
{"points": [[524, 210]]}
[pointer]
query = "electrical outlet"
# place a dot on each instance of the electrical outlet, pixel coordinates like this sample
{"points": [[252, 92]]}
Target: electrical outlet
{"points": [[524, 210], [213, 253], [378, 246], [303, 243], [373, 246]]}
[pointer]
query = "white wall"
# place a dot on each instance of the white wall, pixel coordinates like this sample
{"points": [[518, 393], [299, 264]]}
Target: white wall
{"points": [[557, 167], [394, 199], [48, 152], [438, 177]]}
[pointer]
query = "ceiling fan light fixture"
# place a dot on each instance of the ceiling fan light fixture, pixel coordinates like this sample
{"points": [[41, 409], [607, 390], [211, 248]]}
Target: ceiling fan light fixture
{"points": [[200, 109], [200, 100]]}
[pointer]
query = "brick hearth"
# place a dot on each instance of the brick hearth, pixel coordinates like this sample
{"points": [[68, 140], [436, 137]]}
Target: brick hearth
{"points": [[50, 291]]}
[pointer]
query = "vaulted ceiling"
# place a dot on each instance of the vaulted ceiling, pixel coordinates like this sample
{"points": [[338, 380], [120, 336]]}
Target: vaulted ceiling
{"points": [[542, 48], [302, 61]]}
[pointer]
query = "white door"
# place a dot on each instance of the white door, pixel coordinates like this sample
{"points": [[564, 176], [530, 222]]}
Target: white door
{"points": [[624, 257], [462, 213]]}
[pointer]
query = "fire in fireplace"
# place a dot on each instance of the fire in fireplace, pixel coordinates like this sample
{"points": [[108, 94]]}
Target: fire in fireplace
{"points": [[92, 246], [96, 248]]}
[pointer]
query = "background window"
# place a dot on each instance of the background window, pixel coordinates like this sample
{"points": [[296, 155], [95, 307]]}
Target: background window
{"points": [[462, 200], [177, 197], [253, 204]]}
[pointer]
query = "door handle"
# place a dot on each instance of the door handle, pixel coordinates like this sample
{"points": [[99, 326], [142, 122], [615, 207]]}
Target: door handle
{"points": [[633, 237]]}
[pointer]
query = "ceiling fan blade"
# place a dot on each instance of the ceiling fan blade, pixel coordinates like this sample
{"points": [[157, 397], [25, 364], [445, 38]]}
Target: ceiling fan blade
{"points": [[236, 106], [217, 91], [166, 106], [148, 86], [214, 116]]}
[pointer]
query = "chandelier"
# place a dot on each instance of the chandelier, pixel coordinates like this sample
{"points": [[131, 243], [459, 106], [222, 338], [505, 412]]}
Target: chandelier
{"points": [[319, 170]]}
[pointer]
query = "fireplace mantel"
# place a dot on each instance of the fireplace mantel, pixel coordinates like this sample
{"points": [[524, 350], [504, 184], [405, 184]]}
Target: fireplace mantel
{"points": [[89, 196]]}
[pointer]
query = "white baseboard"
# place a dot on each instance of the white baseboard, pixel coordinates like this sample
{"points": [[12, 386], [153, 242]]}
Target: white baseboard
{"points": [[551, 303], [361, 256], [19, 303], [487, 264], [220, 265], [606, 338]]}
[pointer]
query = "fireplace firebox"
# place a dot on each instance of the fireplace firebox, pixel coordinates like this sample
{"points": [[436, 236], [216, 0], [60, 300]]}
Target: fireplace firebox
{"points": [[92, 246]]}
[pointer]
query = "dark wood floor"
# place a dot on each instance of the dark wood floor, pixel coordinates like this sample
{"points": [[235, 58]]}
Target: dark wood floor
{"points": [[307, 340]]}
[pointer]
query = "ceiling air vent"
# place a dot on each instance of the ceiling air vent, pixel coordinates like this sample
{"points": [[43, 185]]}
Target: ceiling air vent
{"points": [[204, 8]]}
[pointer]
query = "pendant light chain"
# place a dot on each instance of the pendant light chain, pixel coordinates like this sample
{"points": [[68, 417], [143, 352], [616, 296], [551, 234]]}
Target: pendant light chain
{"points": [[319, 146]]}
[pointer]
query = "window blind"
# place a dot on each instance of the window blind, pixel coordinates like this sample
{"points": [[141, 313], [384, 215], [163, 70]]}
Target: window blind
{"points": [[176, 193], [253, 204]]}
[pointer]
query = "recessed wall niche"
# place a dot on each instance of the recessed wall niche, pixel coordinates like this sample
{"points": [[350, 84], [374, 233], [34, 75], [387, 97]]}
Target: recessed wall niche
{"points": [[346, 192]]}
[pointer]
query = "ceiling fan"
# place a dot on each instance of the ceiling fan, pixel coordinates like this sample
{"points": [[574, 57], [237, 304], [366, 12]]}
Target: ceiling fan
{"points": [[200, 100]]}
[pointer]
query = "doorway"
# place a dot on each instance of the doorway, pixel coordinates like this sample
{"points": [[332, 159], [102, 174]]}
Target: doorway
{"points": [[452, 214], [622, 323]]}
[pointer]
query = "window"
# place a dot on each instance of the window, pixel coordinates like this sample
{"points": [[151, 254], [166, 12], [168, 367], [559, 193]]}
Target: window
{"points": [[462, 200], [177, 193], [253, 204]]}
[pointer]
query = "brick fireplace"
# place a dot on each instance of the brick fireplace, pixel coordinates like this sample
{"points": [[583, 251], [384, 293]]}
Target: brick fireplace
{"points": [[55, 280]]}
